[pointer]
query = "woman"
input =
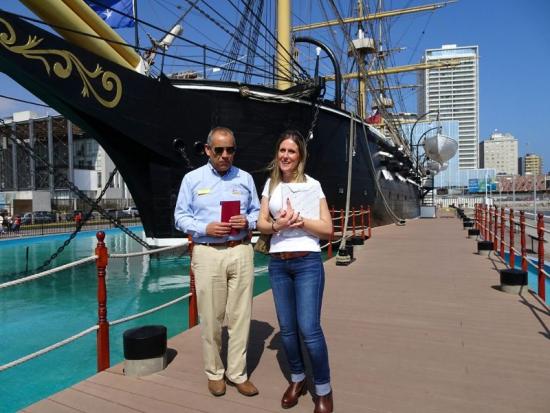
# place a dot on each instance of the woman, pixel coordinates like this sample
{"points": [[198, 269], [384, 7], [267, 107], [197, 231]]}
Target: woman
{"points": [[295, 268]]}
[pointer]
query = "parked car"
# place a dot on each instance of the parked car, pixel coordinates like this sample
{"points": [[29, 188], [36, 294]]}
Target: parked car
{"points": [[38, 217], [131, 211]]}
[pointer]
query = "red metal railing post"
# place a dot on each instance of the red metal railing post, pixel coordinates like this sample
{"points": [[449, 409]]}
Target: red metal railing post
{"points": [[542, 276], [495, 229], [193, 311], [486, 223], [522, 238], [490, 223], [369, 233], [331, 237], [103, 357], [512, 258], [353, 221], [502, 228], [342, 223], [362, 223]]}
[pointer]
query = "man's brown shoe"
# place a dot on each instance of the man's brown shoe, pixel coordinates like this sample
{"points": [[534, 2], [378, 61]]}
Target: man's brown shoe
{"points": [[323, 404], [246, 388], [293, 393], [216, 387]]}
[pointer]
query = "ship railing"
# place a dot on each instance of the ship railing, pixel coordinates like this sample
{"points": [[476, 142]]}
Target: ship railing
{"points": [[361, 226], [102, 327], [502, 227]]}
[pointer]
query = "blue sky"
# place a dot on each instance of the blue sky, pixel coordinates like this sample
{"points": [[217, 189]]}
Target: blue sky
{"points": [[514, 45]]}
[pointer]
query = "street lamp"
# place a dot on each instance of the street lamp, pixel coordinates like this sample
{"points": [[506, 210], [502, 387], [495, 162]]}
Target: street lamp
{"points": [[418, 120]]}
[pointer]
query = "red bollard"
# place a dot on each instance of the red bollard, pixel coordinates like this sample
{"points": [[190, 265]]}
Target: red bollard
{"points": [[353, 221], [331, 237], [542, 276], [512, 240], [502, 228], [103, 358], [193, 311], [522, 238], [362, 223], [369, 234]]}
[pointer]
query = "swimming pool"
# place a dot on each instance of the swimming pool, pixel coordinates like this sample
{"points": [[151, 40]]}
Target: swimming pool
{"points": [[39, 313]]}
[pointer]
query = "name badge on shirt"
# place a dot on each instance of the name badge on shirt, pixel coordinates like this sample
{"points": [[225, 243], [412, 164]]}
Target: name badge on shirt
{"points": [[236, 190], [204, 191]]}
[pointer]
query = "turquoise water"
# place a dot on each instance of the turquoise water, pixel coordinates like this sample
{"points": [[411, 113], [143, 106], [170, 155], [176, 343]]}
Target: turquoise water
{"points": [[39, 313]]}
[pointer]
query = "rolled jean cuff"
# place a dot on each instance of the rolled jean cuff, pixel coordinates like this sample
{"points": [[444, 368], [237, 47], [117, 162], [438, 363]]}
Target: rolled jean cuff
{"points": [[296, 378], [322, 389]]}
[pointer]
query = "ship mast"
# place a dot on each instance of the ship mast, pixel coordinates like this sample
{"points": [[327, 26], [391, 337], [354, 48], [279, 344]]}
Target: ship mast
{"points": [[283, 57]]}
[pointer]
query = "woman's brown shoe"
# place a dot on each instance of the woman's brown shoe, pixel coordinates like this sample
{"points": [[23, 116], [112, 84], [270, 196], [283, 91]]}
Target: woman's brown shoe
{"points": [[293, 393], [323, 404]]}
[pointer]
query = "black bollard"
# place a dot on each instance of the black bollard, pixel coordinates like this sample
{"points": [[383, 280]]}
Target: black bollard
{"points": [[484, 247], [473, 232], [513, 281], [144, 350]]}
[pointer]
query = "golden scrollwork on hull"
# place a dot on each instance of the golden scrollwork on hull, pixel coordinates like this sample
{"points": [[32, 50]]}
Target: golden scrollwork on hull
{"points": [[62, 63]]}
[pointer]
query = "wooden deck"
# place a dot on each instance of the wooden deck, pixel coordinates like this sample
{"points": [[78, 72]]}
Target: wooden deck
{"points": [[415, 324]]}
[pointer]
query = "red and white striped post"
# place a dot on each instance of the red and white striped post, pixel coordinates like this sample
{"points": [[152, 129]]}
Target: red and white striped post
{"points": [[103, 358], [512, 258], [542, 276], [522, 238], [193, 311], [502, 228]]}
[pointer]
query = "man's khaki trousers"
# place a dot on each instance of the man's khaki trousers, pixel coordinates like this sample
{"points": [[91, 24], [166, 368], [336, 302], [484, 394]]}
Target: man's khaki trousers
{"points": [[224, 279]]}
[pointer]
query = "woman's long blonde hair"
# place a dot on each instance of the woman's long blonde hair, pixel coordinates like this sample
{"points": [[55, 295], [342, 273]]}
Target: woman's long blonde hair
{"points": [[299, 175]]}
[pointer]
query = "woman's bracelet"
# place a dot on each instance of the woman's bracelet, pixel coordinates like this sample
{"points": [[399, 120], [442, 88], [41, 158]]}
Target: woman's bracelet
{"points": [[273, 227]]}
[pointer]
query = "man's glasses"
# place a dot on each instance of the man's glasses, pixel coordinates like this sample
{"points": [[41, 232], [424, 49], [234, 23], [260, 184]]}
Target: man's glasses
{"points": [[218, 150]]}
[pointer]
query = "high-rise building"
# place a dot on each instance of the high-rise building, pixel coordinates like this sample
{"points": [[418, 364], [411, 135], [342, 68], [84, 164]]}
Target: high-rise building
{"points": [[453, 92], [499, 152], [531, 164]]}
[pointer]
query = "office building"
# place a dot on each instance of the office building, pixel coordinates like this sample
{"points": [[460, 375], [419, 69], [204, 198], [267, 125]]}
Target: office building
{"points": [[530, 164], [499, 152], [452, 92], [27, 184]]}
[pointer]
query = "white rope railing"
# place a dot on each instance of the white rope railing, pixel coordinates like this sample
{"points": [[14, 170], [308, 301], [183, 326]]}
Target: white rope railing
{"points": [[88, 331], [49, 272], [148, 252], [48, 349], [152, 310]]}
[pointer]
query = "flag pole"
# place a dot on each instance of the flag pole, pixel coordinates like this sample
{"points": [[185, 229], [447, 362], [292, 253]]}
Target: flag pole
{"points": [[136, 32]]}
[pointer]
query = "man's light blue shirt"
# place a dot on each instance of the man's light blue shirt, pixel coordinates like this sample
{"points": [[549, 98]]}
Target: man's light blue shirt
{"points": [[199, 199]]}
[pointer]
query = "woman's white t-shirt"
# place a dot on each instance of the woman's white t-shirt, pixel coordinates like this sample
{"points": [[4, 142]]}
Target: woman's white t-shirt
{"points": [[290, 240]]}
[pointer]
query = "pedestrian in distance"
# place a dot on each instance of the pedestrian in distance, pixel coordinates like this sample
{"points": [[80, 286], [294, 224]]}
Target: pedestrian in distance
{"points": [[296, 269], [223, 258]]}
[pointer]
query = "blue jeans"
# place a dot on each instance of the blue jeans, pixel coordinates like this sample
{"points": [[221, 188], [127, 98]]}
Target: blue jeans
{"points": [[297, 287]]}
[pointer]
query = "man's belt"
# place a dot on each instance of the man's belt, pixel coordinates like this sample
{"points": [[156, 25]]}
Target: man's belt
{"points": [[290, 255], [227, 244]]}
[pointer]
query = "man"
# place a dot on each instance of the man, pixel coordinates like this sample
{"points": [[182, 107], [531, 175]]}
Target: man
{"points": [[222, 259]]}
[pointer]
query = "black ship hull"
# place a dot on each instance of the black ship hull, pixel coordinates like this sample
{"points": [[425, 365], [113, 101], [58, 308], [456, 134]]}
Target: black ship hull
{"points": [[150, 127]]}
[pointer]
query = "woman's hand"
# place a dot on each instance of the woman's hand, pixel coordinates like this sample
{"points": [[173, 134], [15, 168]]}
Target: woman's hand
{"points": [[288, 218]]}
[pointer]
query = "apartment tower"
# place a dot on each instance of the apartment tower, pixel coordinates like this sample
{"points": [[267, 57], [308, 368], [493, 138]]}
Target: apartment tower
{"points": [[453, 91]]}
